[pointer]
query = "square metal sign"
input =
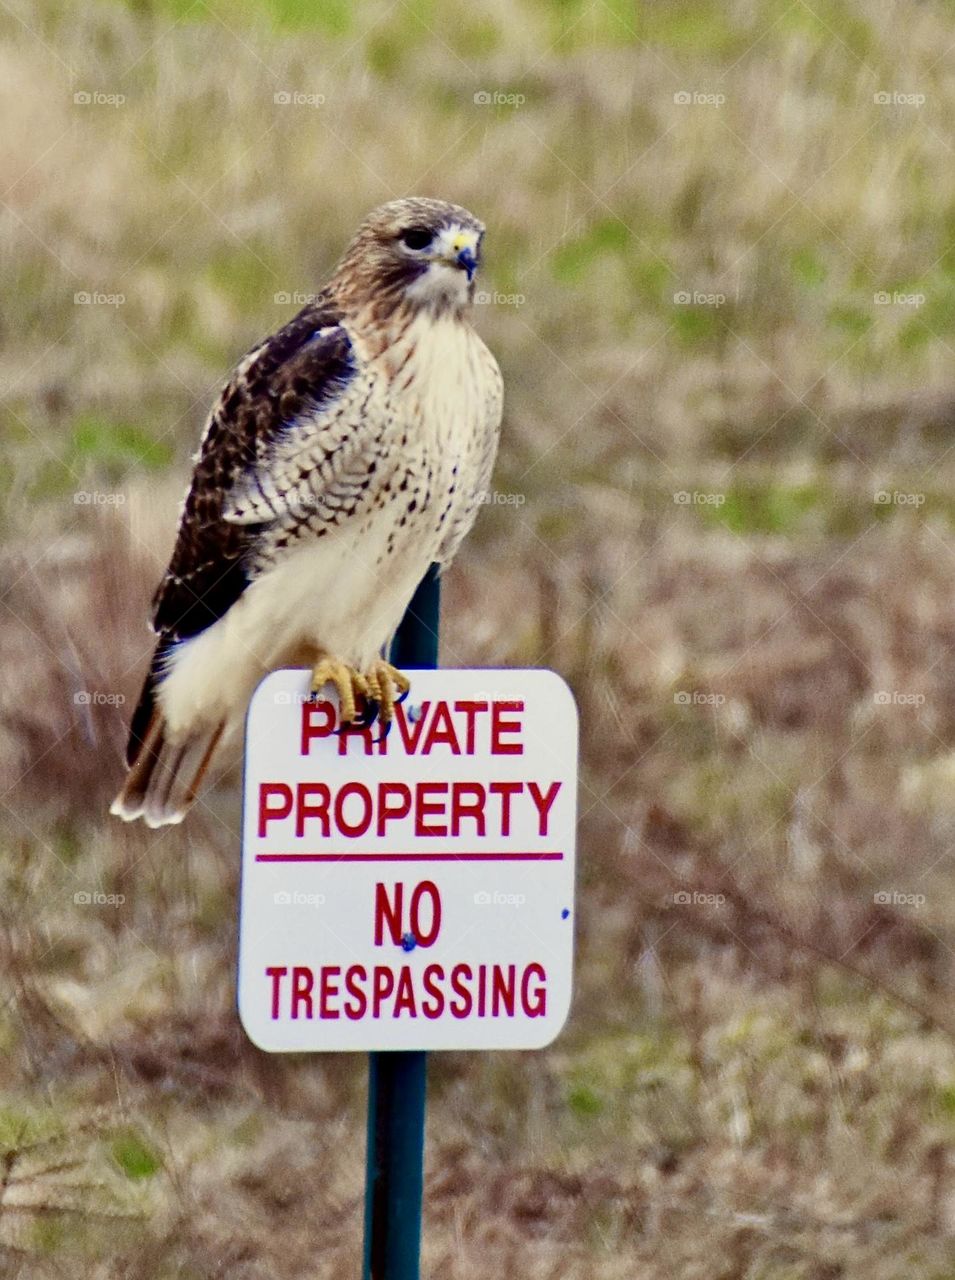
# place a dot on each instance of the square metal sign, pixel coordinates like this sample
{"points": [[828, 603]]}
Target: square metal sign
{"points": [[414, 891]]}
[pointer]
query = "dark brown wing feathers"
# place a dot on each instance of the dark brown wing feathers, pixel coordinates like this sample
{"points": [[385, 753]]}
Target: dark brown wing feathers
{"points": [[303, 365]]}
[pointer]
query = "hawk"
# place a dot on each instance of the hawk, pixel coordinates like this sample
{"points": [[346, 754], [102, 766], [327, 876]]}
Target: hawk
{"points": [[347, 453]]}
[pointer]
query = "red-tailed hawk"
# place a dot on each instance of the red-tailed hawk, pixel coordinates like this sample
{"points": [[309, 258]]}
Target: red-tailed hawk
{"points": [[347, 453]]}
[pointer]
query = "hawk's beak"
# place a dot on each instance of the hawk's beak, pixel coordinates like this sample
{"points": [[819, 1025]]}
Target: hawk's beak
{"points": [[462, 252], [468, 261]]}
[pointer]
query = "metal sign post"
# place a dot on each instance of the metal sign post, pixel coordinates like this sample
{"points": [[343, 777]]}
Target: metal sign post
{"points": [[397, 1082]]}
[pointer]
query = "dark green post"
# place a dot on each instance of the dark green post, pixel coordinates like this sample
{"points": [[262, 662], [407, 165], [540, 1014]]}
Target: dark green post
{"points": [[397, 1082]]}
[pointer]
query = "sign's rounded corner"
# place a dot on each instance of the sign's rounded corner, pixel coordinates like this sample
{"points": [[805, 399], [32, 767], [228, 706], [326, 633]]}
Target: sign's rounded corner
{"points": [[256, 1043], [558, 1030], [565, 686]]}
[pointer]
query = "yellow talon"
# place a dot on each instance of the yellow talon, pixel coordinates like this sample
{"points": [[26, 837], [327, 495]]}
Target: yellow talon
{"points": [[349, 685], [384, 682]]}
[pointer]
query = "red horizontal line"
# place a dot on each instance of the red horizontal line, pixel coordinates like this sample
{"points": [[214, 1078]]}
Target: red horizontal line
{"points": [[550, 856]]}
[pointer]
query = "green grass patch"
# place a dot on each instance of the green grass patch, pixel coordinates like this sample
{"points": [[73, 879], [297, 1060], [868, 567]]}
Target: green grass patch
{"points": [[333, 17], [115, 446], [767, 509], [608, 236], [584, 1101], [134, 1157], [807, 268]]}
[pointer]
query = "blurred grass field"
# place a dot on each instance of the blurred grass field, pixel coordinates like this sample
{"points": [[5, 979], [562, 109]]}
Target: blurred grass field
{"points": [[721, 285]]}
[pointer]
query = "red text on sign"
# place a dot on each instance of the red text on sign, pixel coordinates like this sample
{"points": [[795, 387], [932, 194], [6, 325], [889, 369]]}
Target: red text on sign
{"points": [[359, 992], [421, 809], [465, 727], [388, 912]]}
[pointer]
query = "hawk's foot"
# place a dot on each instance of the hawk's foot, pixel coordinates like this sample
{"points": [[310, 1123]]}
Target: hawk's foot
{"points": [[386, 686], [350, 685]]}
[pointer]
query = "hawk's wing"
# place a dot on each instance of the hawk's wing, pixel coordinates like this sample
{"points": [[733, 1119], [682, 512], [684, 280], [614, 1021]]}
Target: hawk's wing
{"points": [[291, 378]]}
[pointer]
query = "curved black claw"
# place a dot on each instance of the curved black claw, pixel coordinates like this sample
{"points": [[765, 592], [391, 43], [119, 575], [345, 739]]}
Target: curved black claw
{"points": [[385, 730], [369, 713], [365, 718], [401, 696]]}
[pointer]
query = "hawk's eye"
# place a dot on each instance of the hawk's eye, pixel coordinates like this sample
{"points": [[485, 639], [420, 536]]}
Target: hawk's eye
{"points": [[416, 238]]}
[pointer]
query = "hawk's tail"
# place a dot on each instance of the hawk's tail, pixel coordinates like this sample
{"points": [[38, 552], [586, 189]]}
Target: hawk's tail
{"points": [[163, 776]]}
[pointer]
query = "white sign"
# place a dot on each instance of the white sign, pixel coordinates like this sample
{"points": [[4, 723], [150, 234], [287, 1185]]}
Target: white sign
{"points": [[413, 892]]}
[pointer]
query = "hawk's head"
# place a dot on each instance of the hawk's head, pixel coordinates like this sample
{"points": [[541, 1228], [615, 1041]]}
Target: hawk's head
{"points": [[417, 251]]}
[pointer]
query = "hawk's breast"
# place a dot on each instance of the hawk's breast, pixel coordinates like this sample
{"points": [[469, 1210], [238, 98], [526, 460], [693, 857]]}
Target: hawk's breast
{"points": [[411, 443], [447, 389]]}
